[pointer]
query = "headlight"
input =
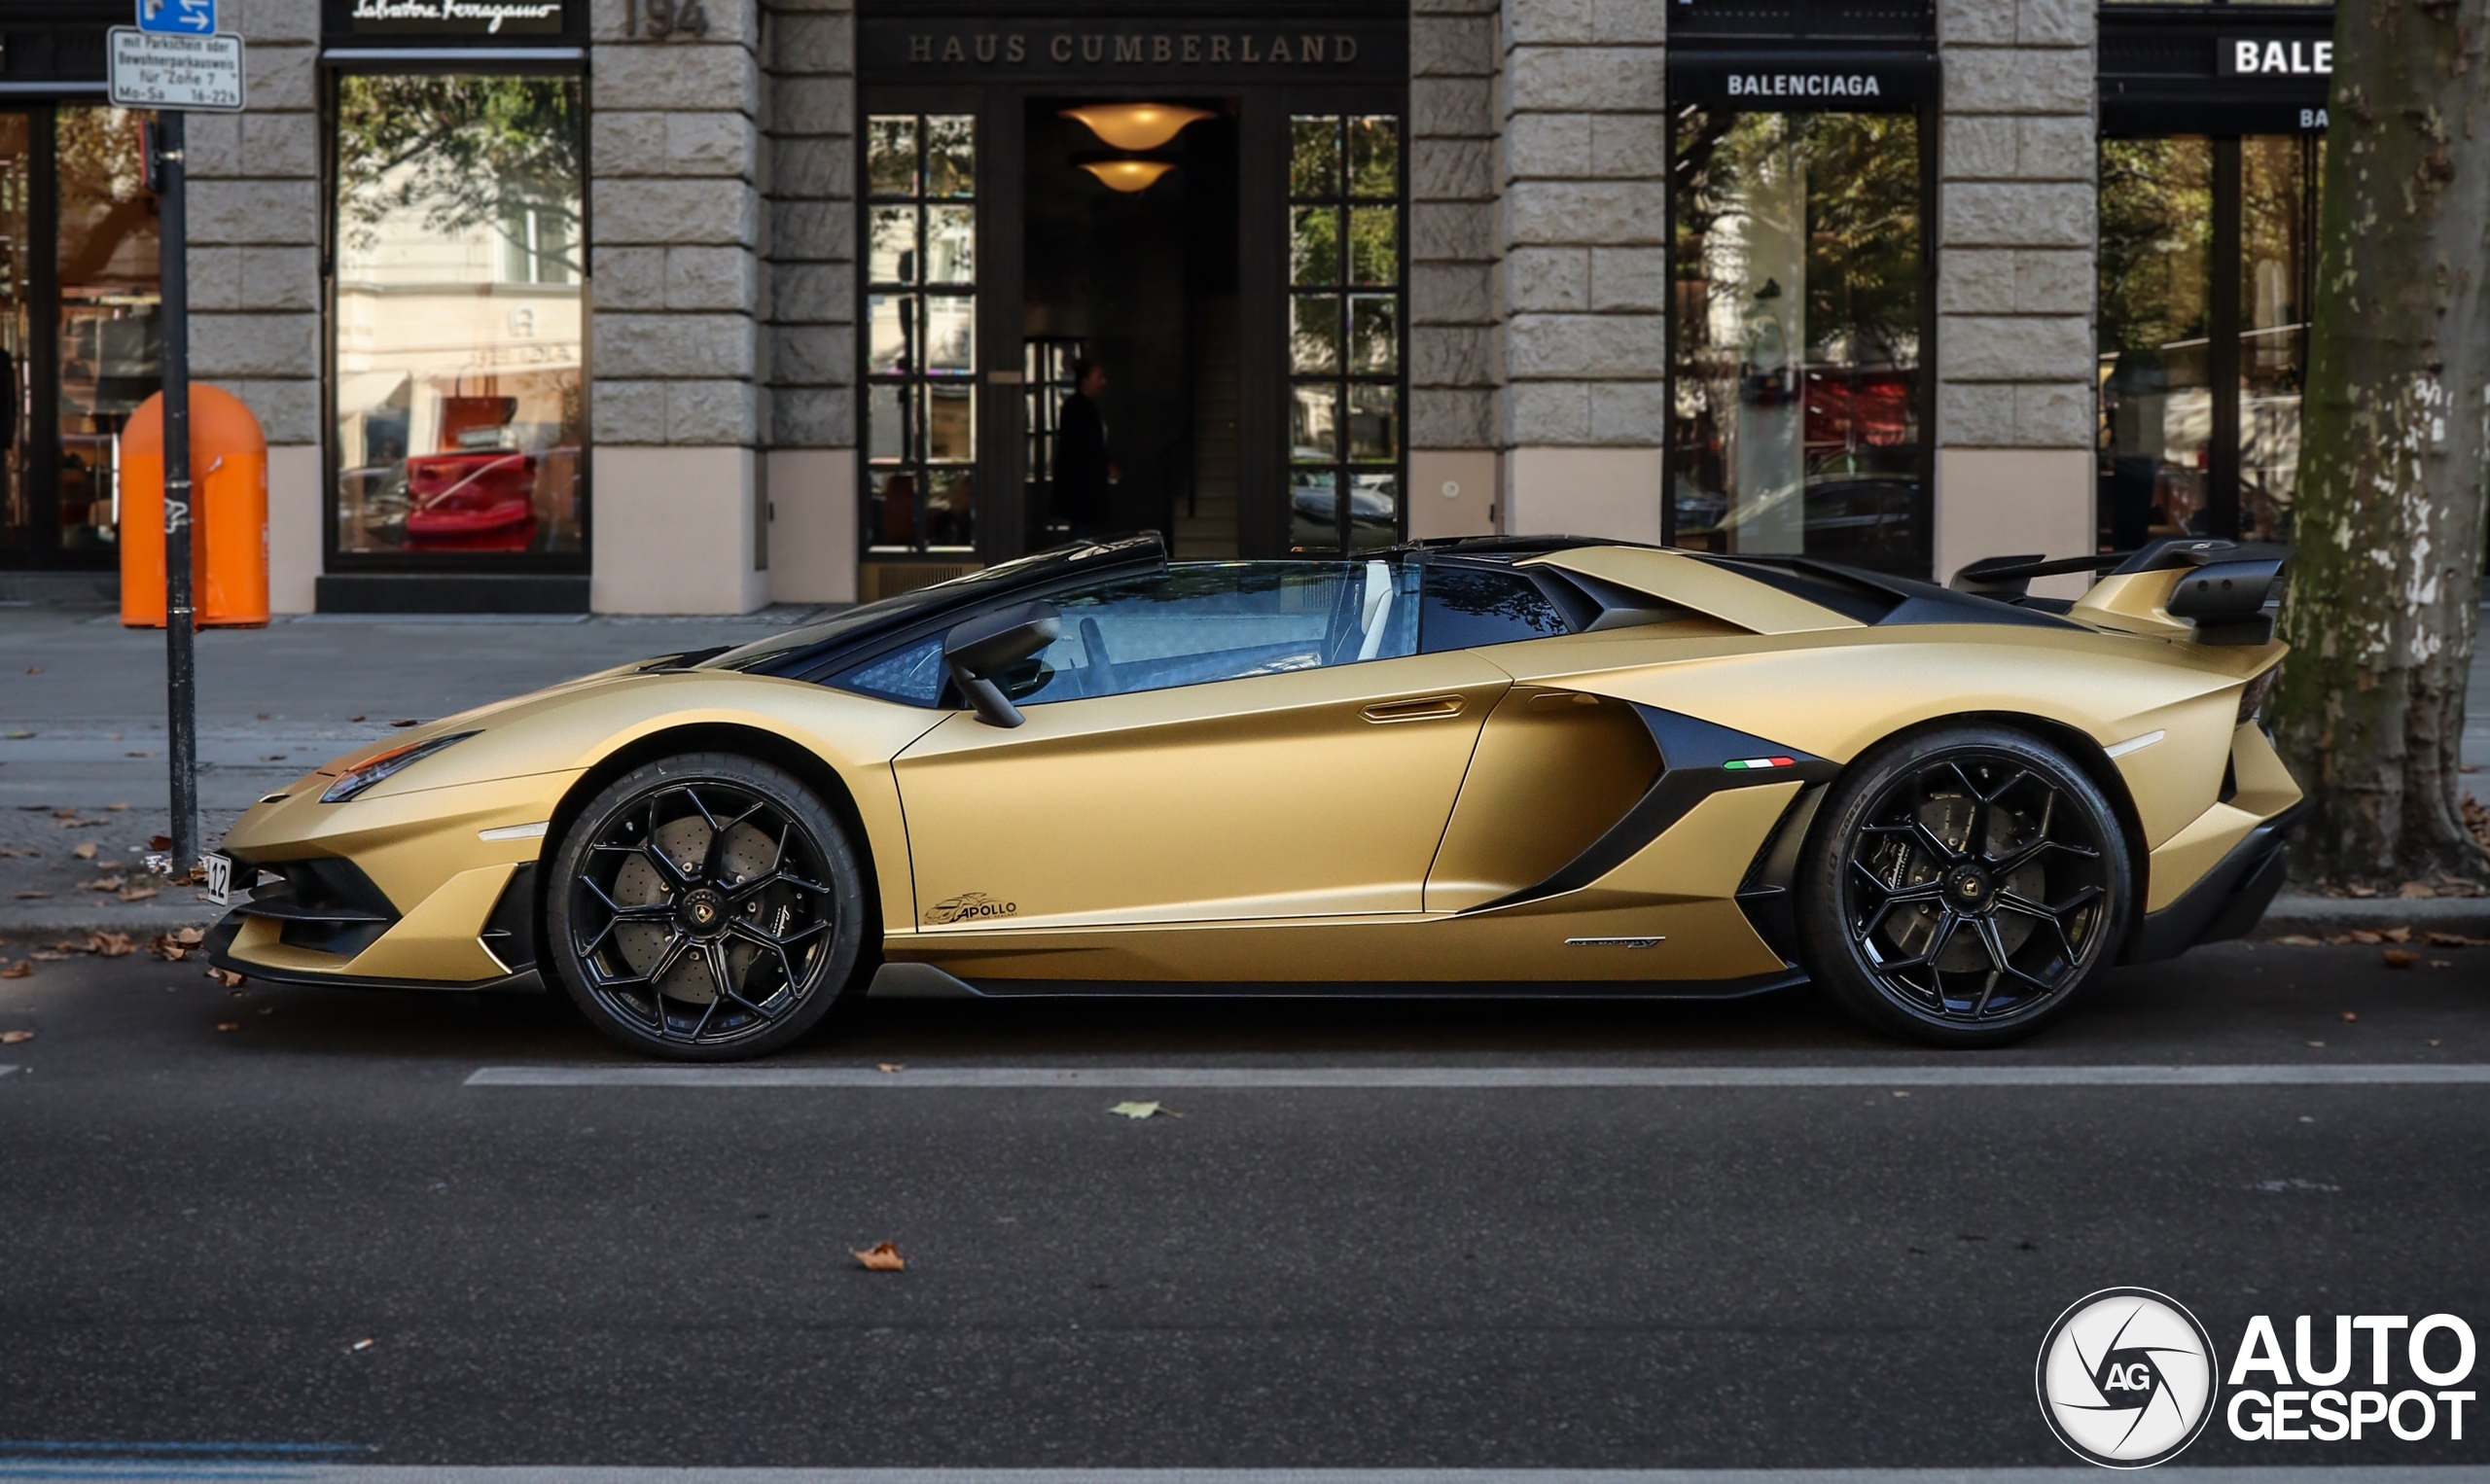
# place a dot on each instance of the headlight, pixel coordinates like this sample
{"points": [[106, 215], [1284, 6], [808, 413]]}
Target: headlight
{"points": [[2251, 698], [372, 770]]}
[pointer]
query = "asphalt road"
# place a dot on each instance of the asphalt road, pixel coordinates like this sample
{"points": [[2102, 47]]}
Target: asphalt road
{"points": [[198, 1226]]}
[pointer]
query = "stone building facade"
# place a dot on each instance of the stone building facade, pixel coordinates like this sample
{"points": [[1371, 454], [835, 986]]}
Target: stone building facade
{"points": [[690, 395]]}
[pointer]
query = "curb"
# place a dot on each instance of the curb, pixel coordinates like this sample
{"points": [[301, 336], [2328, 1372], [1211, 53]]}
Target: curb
{"points": [[76, 917], [2314, 915]]}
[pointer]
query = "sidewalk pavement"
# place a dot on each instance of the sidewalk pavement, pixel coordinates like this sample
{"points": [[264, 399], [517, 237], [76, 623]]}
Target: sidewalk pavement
{"points": [[82, 735]]}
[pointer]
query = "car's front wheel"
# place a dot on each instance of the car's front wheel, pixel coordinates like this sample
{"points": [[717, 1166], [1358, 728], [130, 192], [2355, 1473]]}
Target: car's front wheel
{"points": [[1963, 886], [705, 907]]}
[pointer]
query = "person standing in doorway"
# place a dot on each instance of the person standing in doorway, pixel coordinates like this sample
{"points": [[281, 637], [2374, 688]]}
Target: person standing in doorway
{"points": [[1082, 471]]}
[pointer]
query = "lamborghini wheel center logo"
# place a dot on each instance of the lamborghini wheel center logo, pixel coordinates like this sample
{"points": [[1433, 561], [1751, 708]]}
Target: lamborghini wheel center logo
{"points": [[2126, 1378]]}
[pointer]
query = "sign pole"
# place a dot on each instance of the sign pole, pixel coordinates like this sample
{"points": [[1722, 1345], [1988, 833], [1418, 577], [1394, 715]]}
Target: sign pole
{"points": [[181, 672]]}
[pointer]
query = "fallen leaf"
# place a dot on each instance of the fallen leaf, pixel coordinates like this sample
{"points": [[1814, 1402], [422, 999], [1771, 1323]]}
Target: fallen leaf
{"points": [[85, 852], [139, 755], [273, 756], [136, 893], [2434, 1043], [111, 945], [34, 669], [159, 842], [2457, 940], [31, 896], [357, 717], [229, 1025], [46, 956], [164, 946], [117, 808], [2416, 889], [19, 734], [16, 970], [188, 936], [226, 977], [2362, 891], [360, 1345], [103, 884], [2440, 964], [15, 1037], [263, 716], [2317, 1043], [2349, 1016], [406, 722], [2298, 940], [1144, 1111], [890, 1067], [882, 1257], [2401, 958], [2364, 935], [2399, 934]]}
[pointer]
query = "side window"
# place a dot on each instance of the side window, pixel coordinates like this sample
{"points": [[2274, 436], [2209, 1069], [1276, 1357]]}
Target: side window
{"points": [[1466, 607], [1195, 625], [912, 676]]}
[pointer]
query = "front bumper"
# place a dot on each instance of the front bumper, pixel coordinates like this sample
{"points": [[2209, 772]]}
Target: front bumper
{"points": [[2227, 901]]}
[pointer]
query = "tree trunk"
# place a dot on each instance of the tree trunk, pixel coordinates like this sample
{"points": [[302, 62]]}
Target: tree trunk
{"points": [[2381, 599]]}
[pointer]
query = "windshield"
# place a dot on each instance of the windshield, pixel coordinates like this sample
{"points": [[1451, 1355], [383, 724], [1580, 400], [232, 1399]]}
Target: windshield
{"points": [[896, 611]]}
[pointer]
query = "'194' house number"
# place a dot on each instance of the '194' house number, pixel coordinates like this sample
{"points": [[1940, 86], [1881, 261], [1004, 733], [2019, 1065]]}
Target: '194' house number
{"points": [[662, 19]]}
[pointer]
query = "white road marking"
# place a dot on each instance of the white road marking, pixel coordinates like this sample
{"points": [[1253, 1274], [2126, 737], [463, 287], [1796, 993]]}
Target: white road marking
{"points": [[1917, 1075], [185, 1469]]}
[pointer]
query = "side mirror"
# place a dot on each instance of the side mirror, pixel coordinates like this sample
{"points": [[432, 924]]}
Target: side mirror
{"points": [[981, 647]]}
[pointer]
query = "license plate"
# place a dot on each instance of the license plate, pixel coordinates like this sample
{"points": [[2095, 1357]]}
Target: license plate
{"points": [[220, 878]]}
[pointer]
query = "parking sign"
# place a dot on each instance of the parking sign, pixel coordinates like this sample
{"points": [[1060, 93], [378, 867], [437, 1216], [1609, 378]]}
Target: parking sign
{"points": [[178, 18]]}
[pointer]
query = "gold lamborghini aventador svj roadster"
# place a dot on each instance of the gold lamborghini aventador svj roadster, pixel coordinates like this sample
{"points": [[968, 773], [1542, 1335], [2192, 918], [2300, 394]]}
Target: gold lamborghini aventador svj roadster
{"points": [[1504, 767]]}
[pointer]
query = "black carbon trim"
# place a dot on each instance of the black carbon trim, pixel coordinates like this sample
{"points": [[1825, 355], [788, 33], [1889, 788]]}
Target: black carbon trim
{"points": [[2227, 901], [1693, 756], [1393, 989]]}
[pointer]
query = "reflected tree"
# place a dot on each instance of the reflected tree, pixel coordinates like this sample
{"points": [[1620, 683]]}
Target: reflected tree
{"points": [[464, 152]]}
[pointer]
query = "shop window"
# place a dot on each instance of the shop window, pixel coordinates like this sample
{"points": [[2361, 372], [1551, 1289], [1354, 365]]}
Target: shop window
{"points": [[2207, 272], [1798, 397], [79, 323], [920, 334], [460, 392], [1345, 392]]}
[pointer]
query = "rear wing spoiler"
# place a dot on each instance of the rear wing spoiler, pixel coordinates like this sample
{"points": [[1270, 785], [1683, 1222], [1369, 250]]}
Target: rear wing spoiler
{"points": [[2223, 590]]}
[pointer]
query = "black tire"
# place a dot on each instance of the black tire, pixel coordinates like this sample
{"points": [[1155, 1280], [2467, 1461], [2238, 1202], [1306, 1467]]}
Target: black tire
{"points": [[697, 869], [1962, 887]]}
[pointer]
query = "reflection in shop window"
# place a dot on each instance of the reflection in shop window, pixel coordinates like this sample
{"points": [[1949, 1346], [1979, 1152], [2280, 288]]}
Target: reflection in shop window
{"points": [[1345, 255], [920, 334], [2278, 180], [460, 407], [109, 309], [1796, 410], [2156, 297]]}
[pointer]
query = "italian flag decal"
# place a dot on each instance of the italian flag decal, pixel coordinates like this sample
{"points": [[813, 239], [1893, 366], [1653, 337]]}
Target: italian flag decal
{"points": [[1748, 764]]}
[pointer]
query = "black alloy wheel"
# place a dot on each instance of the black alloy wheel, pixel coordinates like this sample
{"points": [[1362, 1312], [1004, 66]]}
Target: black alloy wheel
{"points": [[705, 908], [1963, 886]]}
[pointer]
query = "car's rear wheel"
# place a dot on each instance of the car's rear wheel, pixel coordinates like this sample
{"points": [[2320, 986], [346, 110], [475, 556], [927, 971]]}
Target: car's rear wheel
{"points": [[1963, 886], [705, 907]]}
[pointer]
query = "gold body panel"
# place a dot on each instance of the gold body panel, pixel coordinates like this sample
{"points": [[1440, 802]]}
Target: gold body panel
{"points": [[1326, 826]]}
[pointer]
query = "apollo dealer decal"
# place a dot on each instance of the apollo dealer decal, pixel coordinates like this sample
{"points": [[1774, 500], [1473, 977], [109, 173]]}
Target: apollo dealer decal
{"points": [[2128, 1378]]}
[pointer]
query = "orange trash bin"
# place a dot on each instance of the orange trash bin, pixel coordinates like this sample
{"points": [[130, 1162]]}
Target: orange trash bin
{"points": [[228, 513]]}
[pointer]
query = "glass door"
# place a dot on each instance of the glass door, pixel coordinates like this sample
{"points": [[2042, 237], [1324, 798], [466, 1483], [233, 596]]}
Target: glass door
{"points": [[1344, 256], [79, 306]]}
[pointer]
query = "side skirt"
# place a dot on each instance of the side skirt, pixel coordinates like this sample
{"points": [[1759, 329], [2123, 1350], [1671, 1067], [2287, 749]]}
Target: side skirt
{"points": [[1389, 989]]}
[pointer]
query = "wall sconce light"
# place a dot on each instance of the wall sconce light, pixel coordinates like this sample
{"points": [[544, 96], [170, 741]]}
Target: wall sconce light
{"points": [[1137, 125], [1128, 175]]}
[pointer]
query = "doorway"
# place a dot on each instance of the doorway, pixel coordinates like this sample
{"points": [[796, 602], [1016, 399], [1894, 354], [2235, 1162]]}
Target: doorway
{"points": [[79, 313], [1131, 267]]}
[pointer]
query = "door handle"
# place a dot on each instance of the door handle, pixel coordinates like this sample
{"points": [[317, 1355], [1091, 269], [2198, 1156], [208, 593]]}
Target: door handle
{"points": [[1423, 708]]}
